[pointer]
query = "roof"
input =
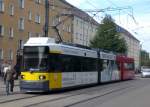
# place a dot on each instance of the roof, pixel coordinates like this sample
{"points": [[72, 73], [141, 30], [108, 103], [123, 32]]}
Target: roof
{"points": [[107, 55], [81, 14], [122, 30], [60, 48], [39, 40]]}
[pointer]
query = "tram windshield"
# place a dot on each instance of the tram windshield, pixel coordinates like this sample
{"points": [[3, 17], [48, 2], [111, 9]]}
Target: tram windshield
{"points": [[35, 58]]}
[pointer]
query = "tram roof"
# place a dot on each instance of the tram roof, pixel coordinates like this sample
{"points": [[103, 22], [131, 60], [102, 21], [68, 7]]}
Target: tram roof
{"points": [[106, 55], [34, 41], [61, 48]]}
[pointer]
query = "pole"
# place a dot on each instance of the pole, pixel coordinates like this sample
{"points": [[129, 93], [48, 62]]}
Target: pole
{"points": [[46, 17]]}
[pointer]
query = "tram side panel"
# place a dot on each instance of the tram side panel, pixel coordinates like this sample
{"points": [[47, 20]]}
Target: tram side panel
{"points": [[74, 71], [126, 67], [109, 70], [128, 71], [70, 79]]}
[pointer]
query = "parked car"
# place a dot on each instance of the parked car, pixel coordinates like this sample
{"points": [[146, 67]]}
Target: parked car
{"points": [[145, 72]]}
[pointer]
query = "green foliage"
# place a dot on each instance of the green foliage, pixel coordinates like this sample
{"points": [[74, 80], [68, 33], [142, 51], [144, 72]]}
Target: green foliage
{"points": [[145, 60], [108, 38]]}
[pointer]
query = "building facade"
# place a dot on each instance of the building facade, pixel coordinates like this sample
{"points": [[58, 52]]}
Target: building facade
{"points": [[133, 45], [60, 20], [19, 20], [83, 26], [84, 30]]}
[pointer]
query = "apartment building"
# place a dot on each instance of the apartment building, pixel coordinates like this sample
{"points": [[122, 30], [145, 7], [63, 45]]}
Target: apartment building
{"points": [[21, 19], [133, 45], [60, 20], [83, 26]]}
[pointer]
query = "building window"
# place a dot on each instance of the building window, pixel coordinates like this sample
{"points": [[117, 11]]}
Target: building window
{"points": [[21, 24], [21, 4], [38, 1], [1, 30], [52, 4], [11, 32], [30, 15], [10, 55], [37, 18], [1, 5], [69, 28], [20, 44], [1, 54], [11, 10], [38, 34], [29, 34], [53, 21]]}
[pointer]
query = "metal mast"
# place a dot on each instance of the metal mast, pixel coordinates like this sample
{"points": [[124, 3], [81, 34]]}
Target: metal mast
{"points": [[46, 18]]}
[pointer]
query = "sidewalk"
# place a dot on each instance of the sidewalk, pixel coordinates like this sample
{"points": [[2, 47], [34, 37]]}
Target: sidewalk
{"points": [[3, 87]]}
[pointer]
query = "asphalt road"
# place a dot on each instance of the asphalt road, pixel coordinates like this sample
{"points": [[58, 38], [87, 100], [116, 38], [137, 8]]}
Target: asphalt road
{"points": [[133, 93]]}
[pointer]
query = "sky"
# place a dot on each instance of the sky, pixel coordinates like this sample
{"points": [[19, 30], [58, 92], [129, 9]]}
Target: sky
{"points": [[134, 15]]}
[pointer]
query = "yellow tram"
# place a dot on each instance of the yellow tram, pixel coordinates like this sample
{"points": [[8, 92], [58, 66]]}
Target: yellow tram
{"points": [[50, 66]]}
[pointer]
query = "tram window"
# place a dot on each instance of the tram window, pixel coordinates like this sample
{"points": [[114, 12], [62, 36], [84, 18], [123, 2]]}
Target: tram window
{"points": [[92, 63], [88, 64], [68, 63], [129, 66], [34, 62], [108, 64], [114, 65], [119, 65], [36, 49], [100, 64], [76, 64], [105, 64], [54, 62], [71, 63]]}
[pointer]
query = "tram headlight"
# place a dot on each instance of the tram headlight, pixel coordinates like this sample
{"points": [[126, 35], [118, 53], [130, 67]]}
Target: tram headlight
{"points": [[22, 76], [42, 77]]}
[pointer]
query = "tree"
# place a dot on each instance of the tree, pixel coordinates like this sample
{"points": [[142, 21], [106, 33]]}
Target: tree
{"points": [[108, 38], [145, 60]]}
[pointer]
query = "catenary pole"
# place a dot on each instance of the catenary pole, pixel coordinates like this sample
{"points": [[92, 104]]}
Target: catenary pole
{"points": [[46, 18]]}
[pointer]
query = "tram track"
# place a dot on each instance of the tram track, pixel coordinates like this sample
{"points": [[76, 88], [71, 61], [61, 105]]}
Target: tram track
{"points": [[99, 96], [2, 93], [117, 91], [56, 97], [82, 101], [19, 98], [82, 93]]}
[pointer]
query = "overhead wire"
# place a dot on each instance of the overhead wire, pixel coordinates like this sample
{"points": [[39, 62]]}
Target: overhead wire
{"points": [[95, 14], [95, 11], [130, 14]]}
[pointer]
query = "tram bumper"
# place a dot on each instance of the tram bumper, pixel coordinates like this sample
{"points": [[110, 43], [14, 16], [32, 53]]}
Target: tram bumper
{"points": [[34, 86]]}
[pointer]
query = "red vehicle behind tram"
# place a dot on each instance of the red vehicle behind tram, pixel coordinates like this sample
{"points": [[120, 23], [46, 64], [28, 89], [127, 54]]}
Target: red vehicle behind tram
{"points": [[126, 67]]}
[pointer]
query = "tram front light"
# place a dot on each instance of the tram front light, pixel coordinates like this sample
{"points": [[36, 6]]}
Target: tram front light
{"points": [[22, 76], [42, 77]]}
